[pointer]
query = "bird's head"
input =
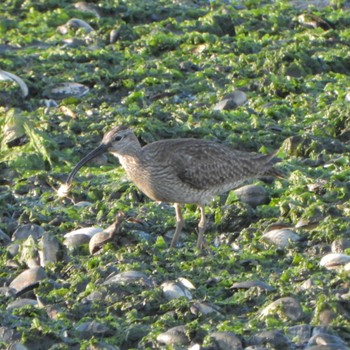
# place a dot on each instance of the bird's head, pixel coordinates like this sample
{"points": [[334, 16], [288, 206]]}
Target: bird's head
{"points": [[117, 141]]}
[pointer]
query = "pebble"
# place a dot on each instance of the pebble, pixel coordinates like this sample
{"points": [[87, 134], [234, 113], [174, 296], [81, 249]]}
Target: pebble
{"points": [[20, 303], [253, 195], [49, 248], [300, 333], [97, 241], [231, 101], [87, 329], [24, 231], [28, 279], [282, 238], [286, 307], [252, 284], [128, 277], [203, 308], [174, 290], [226, 341], [174, 336], [339, 245], [273, 339]]}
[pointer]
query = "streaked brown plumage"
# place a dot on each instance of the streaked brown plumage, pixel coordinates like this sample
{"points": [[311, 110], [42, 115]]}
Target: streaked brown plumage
{"points": [[180, 170]]}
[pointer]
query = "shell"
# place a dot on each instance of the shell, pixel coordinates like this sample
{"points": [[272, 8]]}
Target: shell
{"points": [[174, 290], [28, 279], [280, 237], [128, 277], [334, 260], [203, 308], [10, 76], [18, 303], [287, 307], [68, 89], [87, 231], [252, 284], [98, 241]]}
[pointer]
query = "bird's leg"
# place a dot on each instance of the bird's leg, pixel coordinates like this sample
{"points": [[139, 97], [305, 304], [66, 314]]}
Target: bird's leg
{"points": [[201, 229], [179, 225]]}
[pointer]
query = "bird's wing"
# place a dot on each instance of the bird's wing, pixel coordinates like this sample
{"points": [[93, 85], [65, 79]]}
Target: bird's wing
{"points": [[203, 164]]}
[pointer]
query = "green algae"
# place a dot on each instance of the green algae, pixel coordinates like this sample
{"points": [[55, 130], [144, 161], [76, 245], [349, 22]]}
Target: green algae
{"points": [[170, 64]]}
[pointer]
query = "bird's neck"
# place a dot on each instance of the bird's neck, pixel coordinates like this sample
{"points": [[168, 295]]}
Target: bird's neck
{"points": [[132, 153]]}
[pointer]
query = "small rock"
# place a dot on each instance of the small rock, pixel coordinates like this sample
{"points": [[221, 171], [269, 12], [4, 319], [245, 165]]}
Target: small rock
{"points": [[226, 341], [203, 308], [174, 336], [231, 101], [339, 245], [174, 290], [252, 284], [271, 339], [92, 328], [253, 195], [326, 339], [128, 277], [307, 284], [24, 231], [9, 335], [20, 303], [49, 248], [28, 279], [300, 333], [287, 307], [281, 238]]}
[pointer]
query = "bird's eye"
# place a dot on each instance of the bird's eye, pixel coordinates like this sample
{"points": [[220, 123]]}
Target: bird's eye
{"points": [[118, 138]]}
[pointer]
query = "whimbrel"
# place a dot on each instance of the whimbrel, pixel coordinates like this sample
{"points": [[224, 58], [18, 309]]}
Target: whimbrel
{"points": [[180, 171]]}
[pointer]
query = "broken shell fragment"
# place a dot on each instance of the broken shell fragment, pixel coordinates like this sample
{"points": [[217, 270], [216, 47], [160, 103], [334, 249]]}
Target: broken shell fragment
{"points": [[64, 190], [174, 290], [68, 89], [12, 77]]}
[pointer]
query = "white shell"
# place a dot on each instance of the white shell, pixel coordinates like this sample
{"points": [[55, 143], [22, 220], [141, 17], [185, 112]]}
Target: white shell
{"points": [[174, 290], [334, 260], [280, 237], [88, 231], [10, 76]]}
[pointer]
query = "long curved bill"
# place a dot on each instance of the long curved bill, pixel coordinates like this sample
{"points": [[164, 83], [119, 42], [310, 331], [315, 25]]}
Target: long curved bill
{"points": [[102, 148]]}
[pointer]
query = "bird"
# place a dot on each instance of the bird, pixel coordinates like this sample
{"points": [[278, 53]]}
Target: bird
{"points": [[181, 171]]}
